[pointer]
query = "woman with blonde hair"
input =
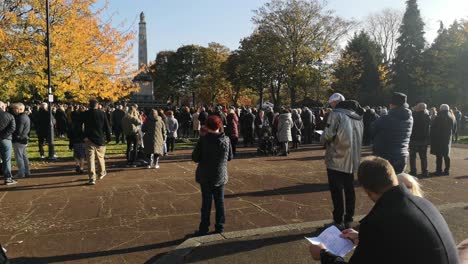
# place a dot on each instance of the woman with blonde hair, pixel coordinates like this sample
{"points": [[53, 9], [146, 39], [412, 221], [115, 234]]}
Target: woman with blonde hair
{"points": [[411, 183]]}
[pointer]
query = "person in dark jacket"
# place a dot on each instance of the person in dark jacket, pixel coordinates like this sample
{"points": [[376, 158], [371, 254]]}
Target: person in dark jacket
{"points": [[308, 119], [185, 119], [116, 121], [62, 123], [419, 138], [441, 139], [401, 228], [76, 139], [20, 140], [232, 130], [97, 132], [392, 133], [212, 153], [369, 117], [42, 124], [203, 116], [7, 128], [248, 127]]}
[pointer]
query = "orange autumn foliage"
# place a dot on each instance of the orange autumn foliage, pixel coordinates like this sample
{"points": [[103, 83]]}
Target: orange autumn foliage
{"points": [[89, 57]]}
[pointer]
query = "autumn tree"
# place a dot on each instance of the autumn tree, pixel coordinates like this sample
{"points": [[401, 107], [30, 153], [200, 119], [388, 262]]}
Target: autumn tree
{"points": [[305, 30], [89, 57]]}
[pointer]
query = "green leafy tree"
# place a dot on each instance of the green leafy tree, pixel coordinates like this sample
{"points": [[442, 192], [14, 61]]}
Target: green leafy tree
{"points": [[162, 72], [357, 72], [408, 58]]}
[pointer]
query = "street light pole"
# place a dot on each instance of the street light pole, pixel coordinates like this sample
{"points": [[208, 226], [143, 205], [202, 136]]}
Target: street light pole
{"points": [[49, 86]]}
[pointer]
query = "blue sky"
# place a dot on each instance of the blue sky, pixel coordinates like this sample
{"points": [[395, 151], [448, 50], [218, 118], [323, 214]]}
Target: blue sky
{"points": [[173, 23]]}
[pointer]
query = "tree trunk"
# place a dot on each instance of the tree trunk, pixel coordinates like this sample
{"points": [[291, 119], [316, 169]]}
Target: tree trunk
{"points": [[193, 98]]}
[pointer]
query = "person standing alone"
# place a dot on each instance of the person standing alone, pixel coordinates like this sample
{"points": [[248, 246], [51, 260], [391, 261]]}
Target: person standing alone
{"points": [[97, 132], [342, 138], [212, 153]]}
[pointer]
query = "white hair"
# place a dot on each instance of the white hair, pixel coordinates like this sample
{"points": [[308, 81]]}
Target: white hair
{"points": [[444, 107]]}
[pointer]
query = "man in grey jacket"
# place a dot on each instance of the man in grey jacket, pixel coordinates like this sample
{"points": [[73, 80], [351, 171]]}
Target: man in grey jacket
{"points": [[342, 138]]}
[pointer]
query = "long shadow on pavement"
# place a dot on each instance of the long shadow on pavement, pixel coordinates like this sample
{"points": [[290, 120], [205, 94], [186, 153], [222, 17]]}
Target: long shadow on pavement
{"points": [[45, 186], [89, 255], [207, 252], [296, 189]]}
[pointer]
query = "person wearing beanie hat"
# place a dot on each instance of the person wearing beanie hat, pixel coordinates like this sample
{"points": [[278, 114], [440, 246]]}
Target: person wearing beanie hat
{"points": [[419, 138], [442, 129], [342, 138], [392, 133]]}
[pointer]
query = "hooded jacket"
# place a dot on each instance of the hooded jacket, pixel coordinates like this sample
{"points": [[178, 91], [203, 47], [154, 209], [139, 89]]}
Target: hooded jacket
{"points": [[342, 137], [392, 134], [212, 153]]}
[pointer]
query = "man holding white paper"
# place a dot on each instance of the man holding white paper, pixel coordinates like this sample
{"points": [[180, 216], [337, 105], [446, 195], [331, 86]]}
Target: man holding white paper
{"points": [[401, 228]]}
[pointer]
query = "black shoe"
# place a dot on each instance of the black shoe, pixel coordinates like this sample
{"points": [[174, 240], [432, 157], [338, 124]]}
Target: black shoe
{"points": [[446, 173], [348, 224], [200, 233], [437, 173], [413, 173], [425, 174]]}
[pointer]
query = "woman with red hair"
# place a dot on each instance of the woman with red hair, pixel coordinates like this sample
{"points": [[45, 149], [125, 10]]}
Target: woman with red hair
{"points": [[212, 153]]}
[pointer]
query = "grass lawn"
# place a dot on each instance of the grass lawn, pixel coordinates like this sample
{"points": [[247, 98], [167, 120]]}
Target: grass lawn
{"points": [[63, 153]]}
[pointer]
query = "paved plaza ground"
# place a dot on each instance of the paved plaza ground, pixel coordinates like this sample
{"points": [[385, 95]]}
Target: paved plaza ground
{"points": [[136, 215]]}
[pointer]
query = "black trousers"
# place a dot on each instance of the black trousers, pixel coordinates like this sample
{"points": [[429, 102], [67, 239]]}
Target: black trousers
{"points": [[119, 136], [170, 144], [132, 148], [439, 163], [234, 141], [339, 182], [422, 152], [41, 141]]}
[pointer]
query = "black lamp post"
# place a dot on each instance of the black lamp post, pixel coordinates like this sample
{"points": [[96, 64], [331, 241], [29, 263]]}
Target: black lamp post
{"points": [[49, 86]]}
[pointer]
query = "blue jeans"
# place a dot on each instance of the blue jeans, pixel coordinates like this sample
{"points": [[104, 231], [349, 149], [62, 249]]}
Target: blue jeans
{"points": [[208, 195], [21, 159], [5, 153]]}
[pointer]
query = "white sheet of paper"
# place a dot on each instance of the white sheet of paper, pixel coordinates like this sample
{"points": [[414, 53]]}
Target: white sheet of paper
{"points": [[330, 237]]}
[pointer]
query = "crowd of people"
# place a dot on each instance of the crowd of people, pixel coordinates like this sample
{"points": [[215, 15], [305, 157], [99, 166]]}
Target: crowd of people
{"points": [[396, 135]]}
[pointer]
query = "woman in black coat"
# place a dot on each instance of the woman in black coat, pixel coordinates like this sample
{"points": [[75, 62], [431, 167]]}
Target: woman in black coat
{"points": [[212, 153], [441, 139]]}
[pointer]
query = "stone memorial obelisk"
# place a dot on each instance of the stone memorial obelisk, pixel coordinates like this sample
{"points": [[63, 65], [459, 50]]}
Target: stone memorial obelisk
{"points": [[144, 80]]}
